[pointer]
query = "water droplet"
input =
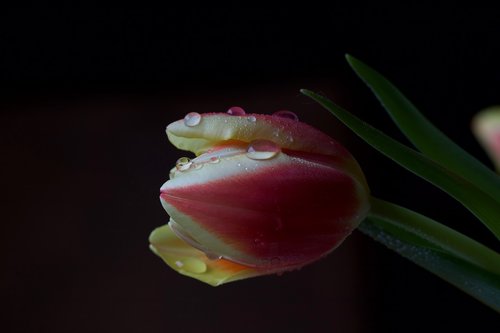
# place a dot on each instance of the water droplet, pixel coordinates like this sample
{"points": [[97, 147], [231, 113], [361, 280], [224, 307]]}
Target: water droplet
{"points": [[198, 166], [213, 256], [275, 261], [192, 119], [252, 119], [217, 155], [236, 111], [214, 160], [183, 164], [262, 150], [192, 265], [259, 242], [239, 164], [286, 114]]}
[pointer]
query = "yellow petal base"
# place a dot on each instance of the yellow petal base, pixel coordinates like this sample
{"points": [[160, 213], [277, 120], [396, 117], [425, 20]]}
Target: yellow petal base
{"points": [[191, 262]]}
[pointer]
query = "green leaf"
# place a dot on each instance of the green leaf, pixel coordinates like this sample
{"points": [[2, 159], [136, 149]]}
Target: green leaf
{"points": [[478, 202], [457, 259], [424, 135]]}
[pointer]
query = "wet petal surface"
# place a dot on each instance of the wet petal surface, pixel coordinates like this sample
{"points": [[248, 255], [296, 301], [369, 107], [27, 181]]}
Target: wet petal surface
{"points": [[191, 262]]}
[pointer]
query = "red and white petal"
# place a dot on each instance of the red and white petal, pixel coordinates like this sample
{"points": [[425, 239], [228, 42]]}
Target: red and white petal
{"points": [[281, 212]]}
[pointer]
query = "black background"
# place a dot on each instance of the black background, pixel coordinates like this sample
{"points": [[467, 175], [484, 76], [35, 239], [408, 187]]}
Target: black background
{"points": [[86, 95]]}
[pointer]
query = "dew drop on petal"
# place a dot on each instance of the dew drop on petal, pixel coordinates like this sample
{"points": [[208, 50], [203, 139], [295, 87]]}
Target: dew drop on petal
{"points": [[236, 111], [213, 256], [183, 164], [275, 261], [262, 150], [214, 160], [259, 242], [251, 119], [197, 166], [286, 114], [192, 265], [192, 119]]}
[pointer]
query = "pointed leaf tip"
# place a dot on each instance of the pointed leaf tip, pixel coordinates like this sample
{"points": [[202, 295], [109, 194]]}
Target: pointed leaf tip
{"points": [[307, 92], [349, 57]]}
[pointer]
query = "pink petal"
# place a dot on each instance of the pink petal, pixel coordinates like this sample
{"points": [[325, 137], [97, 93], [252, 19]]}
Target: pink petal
{"points": [[282, 212]]}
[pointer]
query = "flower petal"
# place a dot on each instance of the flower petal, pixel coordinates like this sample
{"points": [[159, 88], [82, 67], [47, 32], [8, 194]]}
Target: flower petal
{"points": [[214, 128], [258, 212], [191, 262], [486, 127], [267, 194]]}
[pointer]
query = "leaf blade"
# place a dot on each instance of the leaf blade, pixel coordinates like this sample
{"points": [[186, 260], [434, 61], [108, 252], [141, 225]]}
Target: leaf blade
{"points": [[456, 258], [433, 234], [423, 134]]}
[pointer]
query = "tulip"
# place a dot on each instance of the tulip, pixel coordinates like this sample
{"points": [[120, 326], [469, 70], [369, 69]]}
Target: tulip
{"points": [[265, 194], [486, 127]]}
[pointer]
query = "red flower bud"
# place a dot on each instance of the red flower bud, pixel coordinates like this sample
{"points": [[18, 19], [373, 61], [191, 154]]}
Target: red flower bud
{"points": [[265, 194]]}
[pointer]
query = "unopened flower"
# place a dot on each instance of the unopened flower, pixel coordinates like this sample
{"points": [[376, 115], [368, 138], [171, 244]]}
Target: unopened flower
{"points": [[265, 194], [486, 127]]}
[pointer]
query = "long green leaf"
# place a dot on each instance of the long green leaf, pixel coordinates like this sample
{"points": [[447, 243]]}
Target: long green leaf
{"points": [[424, 135], [478, 202], [461, 261]]}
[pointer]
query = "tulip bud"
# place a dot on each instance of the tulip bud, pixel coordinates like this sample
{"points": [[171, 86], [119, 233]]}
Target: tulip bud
{"points": [[486, 127], [265, 194]]}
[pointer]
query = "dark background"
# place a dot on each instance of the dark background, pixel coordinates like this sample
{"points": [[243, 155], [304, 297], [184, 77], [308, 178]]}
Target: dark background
{"points": [[86, 95]]}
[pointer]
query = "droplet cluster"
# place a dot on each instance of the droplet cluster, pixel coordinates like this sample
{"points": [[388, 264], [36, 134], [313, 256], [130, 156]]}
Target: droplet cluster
{"points": [[256, 150]]}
